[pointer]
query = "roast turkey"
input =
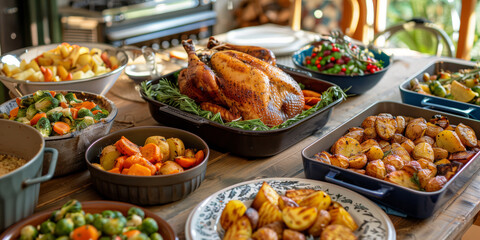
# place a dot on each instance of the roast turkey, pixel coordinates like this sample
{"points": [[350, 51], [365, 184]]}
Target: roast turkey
{"points": [[239, 85]]}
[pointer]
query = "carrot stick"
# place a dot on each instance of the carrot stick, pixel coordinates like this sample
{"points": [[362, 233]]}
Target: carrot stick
{"points": [[129, 161], [119, 162], [53, 93], [185, 162], [310, 93], [127, 147], [18, 101], [114, 170], [151, 152], [139, 170], [96, 111], [63, 105], [37, 117], [312, 100], [158, 165], [87, 104], [306, 107], [61, 128], [74, 112], [199, 156], [14, 112], [125, 171]]}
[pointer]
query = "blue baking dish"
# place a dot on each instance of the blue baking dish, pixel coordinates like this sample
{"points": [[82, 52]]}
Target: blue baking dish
{"points": [[407, 201], [438, 103]]}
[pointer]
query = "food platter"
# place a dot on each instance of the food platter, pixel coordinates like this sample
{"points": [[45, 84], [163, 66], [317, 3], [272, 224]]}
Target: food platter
{"points": [[203, 221]]}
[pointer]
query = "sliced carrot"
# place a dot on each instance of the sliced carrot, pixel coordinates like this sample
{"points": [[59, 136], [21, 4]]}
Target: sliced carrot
{"points": [[126, 147], [61, 127], [85, 232], [63, 105], [139, 170], [158, 165], [130, 160], [69, 77], [37, 117], [125, 171], [151, 152], [114, 170], [14, 112], [131, 233], [149, 165], [199, 156], [87, 104], [96, 111], [185, 162], [74, 112], [119, 162], [306, 107], [312, 100], [19, 101], [310, 93], [53, 93]]}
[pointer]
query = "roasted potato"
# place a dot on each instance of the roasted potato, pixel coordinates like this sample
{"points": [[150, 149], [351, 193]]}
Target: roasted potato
{"points": [[322, 221], [176, 146], [423, 150], [440, 121], [401, 124], [390, 168], [341, 216], [415, 128], [466, 134], [339, 160], [108, 156], [337, 232], [439, 153], [398, 150], [398, 138], [394, 160], [265, 194], [449, 141], [319, 200], [278, 227], [424, 176], [268, 213], [367, 144], [408, 145], [369, 122], [252, 215], [462, 157], [346, 146], [385, 126], [359, 161], [240, 230], [385, 145], [231, 213], [298, 194], [355, 133], [436, 183], [426, 139], [162, 143], [369, 133], [323, 157], [285, 201], [264, 234], [170, 167], [432, 130], [373, 153], [448, 170], [289, 234], [376, 168], [299, 218], [402, 178], [360, 171]]}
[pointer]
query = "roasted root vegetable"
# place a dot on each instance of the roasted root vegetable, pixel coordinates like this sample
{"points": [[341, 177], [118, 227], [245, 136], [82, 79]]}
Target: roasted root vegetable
{"points": [[265, 194]]}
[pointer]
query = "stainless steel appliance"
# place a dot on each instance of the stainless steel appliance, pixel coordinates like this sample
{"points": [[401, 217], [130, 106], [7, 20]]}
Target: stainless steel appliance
{"points": [[137, 22]]}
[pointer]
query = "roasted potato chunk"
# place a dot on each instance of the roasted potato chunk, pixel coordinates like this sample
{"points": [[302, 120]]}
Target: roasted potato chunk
{"points": [[394, 161], [398, 138], [346, 146], [299, 218], [423, 150], [367, 144], [322, 221], [426, 139], [436, 183], [398, 150], [108, 156], [355, 133], [265, 194], [415, 128], [231, 213], [319, 200], [293, 235], [298, 194], [432, 130], [408, 145], [278, 227], [359, 161], [341, 216], [376, 168], [285, 201], [339, 160], [466, 134], [386, 146], [252, 215], [323, 157], [385, 126], [402, 178], [265, 234], [439, 153], [240, 230], [268, 213], [360, 171], [369, 122], [337, 232], [449, 141], [424, 176], [401, 124]]}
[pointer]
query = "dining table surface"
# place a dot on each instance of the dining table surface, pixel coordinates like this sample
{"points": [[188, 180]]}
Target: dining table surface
{"points": [[224, 169]]}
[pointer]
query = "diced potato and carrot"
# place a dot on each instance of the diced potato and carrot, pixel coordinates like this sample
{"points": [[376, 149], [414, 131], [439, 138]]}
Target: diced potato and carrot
{"points": [[158, 156]]}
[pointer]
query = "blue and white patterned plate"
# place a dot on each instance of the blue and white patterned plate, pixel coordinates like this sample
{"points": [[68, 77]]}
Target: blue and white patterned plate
{"points": [[203, 221]]}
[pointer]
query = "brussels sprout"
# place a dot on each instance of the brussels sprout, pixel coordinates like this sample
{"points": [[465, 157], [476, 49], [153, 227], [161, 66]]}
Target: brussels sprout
{"points": [[23, 120], [101, 115], [28, 232], [156, 236], [134, 220], [63, 238], [41, 94], [44, 127], [64, 227], [3, 116], [84, 112], [69, 207], [113, 226], [47, 227], [46, 236], [137, 211], [55, 117], [85, 122], [97, 107], [22, 112], [108, 214], [61, 98], [31, 111], [25, 102], [78, 219], [148, 226], [99, 221], [46, 103], [118, 214], [70, 97], [141, 236], [89, 218]]}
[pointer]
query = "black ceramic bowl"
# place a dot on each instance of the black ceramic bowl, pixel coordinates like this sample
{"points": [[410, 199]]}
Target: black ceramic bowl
{"points": [[146, 190], [356, 84]]}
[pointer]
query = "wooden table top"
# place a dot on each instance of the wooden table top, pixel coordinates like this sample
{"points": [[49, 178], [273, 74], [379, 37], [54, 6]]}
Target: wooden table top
{"points": [[225, 169]]}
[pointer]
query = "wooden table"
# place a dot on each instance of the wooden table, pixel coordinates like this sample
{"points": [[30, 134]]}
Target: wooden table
{"points": [[225, 169]]}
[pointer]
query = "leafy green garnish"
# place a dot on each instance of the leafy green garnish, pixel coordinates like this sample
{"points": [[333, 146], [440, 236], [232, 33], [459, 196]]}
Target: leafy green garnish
{"points": [[168, 92], [415, 180]]}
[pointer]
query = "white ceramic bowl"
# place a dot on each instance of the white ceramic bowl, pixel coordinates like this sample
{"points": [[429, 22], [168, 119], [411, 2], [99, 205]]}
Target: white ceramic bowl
{"points": [[99, 84]]}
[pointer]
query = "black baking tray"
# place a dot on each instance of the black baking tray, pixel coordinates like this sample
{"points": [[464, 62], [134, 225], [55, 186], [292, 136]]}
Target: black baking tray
{"points": [[245, 142], [407, 201], [438, 103]]}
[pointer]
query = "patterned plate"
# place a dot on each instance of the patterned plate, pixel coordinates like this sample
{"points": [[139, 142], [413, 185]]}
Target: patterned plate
{"points": [[203, 221]]}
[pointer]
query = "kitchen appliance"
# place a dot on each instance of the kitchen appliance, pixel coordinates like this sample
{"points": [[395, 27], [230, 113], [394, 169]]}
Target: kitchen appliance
{"points": [[137, 22]]}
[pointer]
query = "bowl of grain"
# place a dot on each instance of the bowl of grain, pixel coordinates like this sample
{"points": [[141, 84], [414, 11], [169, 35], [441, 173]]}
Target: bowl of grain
{"points": [[22, 150]]}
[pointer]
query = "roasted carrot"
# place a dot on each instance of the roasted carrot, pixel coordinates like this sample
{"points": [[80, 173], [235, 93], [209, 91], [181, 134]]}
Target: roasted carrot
{"points": [[148, 165], [131, 233], [63, 105], [126, 147], [125, 171], [119, 162], [69, 77], [18, 101], [53, 93], [199, 156], [158, 165], [306, 107], [96, 111], [185, 162], [310, 93], [139, 170], [37, 117], [312, 100], [129, 161], [74, 112], [114, 170], [85, 232], [87, 104], [61, 127], [14, 112], [151, 152]]}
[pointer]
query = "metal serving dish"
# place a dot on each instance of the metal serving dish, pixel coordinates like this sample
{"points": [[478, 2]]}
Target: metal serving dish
{"points": [[408, 201], [245, 142], [438, 103]]}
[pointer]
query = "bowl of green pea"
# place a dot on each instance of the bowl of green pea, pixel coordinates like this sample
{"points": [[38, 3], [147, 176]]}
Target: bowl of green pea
{"points": [[339, 61], [92, 220]]}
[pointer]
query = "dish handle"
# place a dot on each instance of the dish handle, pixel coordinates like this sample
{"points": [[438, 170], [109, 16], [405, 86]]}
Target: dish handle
{"points": [[380, 193], [427, 103], [197, 120], [51, 169]]}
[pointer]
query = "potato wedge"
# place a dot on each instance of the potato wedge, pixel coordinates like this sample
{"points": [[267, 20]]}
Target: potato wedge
{"points": [[376, 168], [319, 200], [432, 130], [436, 183], [423, 150], [346, 146], [322, 221], [176, 147], [466, 134], [289, 234], [402, 178], [298, 194], [359, 161], [108, 156], [449, 141], [401, 124], [398, 150], [232, 212], [355, 133], [268, 213], [337, 232], [342, 217], [265, 194], [240, 230], [339, 160], [285, 201], [264, 234], [385, 126], [299, 218]]}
